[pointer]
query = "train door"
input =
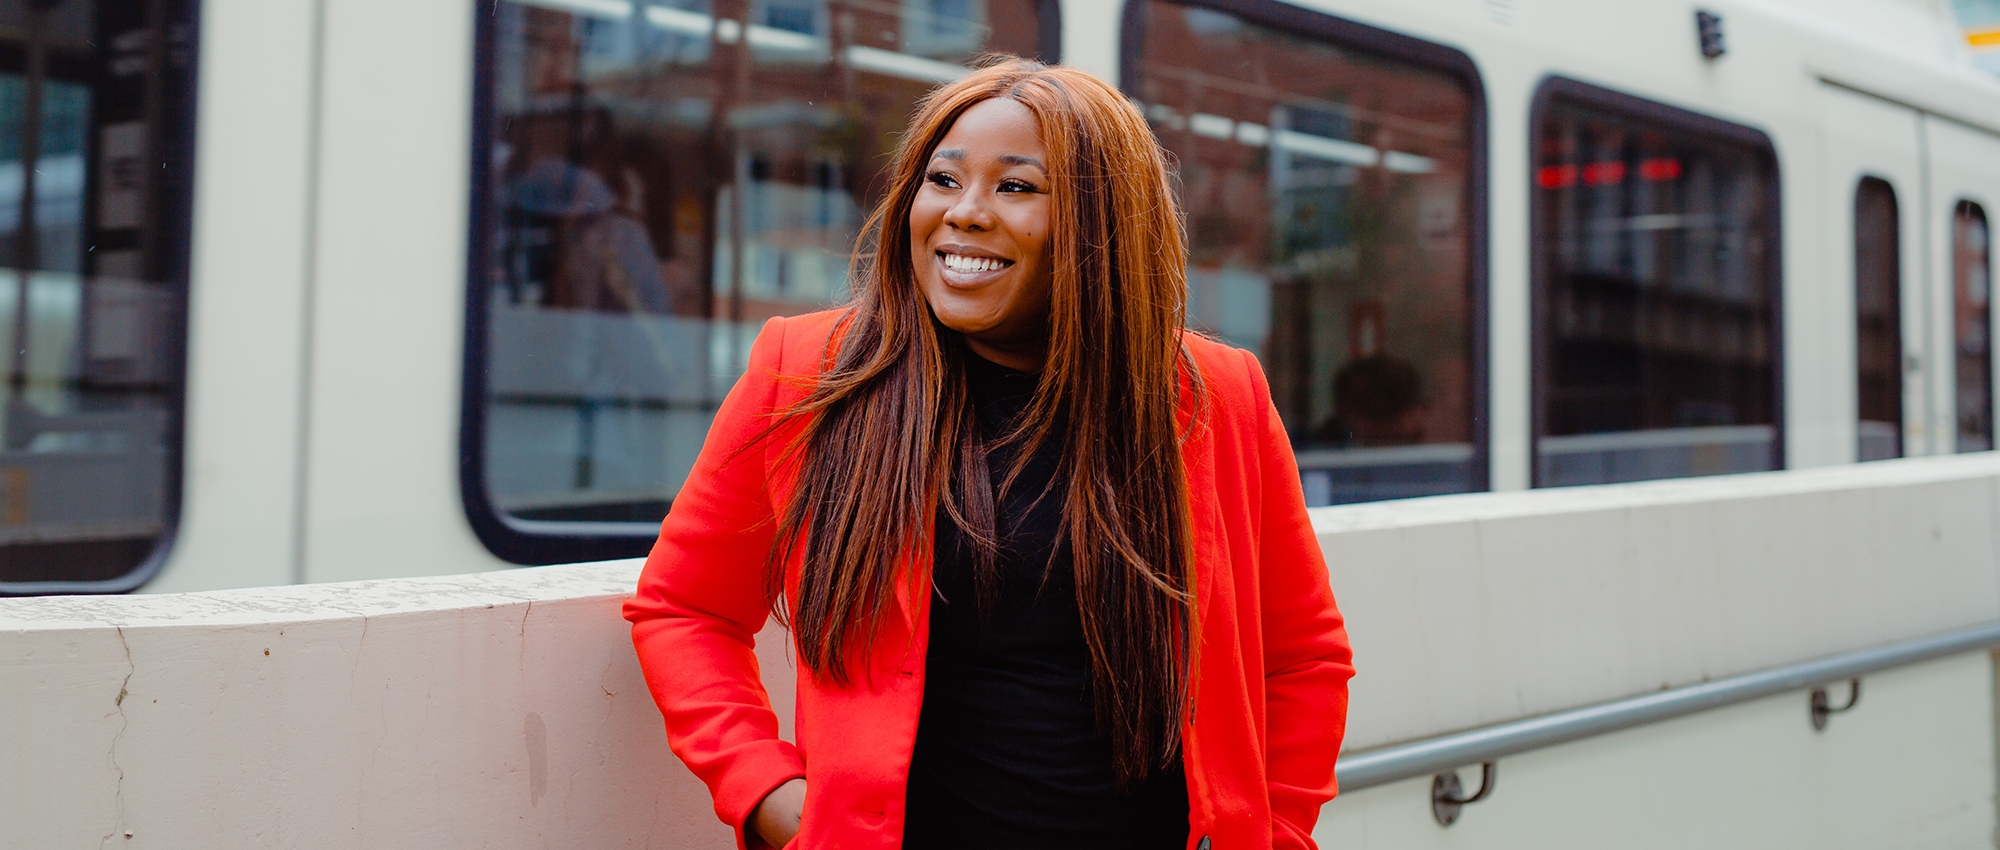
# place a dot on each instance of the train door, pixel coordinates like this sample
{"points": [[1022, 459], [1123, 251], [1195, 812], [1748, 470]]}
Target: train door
{"points": [[1862, 352], [1964, 182]]}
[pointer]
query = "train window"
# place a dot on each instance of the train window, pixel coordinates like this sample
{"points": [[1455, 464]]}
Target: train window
{"points": [[655, 178], [1332, 175], [1878, 320], [1655, 238], [1971, 273], [96, 117]]}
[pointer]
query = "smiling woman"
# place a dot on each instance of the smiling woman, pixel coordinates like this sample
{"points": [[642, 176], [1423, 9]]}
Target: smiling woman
{"points": [[979, 233], [1021, 525]]}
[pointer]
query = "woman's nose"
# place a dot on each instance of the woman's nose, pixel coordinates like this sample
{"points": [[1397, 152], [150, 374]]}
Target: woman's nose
{"points": [[969, 212]]}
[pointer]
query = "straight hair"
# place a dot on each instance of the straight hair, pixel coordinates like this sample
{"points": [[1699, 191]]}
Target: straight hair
{"points": [[891, 446]]}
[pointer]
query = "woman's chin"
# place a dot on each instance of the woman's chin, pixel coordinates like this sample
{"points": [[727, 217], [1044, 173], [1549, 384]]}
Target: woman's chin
{"points": [[968, 316], [978, 332]]}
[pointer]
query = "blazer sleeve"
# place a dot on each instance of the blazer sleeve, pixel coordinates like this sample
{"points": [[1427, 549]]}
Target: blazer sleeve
{"points": [[701, 601], [1307, 661]]}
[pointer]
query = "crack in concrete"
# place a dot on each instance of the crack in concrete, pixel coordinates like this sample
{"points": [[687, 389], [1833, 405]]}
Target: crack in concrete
{"points": [[118, 795], [659, 790], [381, 718]]}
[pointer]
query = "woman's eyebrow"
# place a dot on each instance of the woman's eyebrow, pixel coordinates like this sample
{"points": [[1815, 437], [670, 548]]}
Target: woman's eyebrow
{"points": [[1017, 159], [958, 155]]}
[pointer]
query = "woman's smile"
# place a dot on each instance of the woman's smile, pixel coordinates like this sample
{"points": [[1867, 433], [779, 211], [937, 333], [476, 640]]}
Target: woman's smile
{"points": [[966, 267]]}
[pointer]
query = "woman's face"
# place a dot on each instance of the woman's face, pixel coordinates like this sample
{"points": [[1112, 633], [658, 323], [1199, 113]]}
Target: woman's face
{"points": [[979, 234]]}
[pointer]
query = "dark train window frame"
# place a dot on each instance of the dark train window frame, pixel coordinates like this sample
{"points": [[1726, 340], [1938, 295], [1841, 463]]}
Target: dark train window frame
{"points": [[1960, 208], [1558, 88], [1875, 182], [538, 542], [175, 207], [1431, 55]]}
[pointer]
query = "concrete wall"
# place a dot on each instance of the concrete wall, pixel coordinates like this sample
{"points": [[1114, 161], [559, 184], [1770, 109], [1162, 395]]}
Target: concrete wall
{"points": [[1472, 610], [505, 709]]}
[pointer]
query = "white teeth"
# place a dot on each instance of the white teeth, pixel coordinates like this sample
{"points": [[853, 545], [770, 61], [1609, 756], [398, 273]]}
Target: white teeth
{"points": [[962, 263]]}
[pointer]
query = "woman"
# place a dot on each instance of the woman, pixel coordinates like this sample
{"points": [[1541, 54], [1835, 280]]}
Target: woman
{"points": [[1043, 553]]}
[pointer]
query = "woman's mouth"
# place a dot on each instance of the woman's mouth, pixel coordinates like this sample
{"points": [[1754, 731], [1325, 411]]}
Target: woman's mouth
{"points": [[968, 270]]}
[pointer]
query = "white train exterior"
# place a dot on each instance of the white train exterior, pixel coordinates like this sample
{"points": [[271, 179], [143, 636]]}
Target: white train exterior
{"points": [[353, 201]]}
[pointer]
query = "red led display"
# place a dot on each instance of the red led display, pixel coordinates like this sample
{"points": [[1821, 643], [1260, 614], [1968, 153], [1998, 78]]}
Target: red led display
{"points": [[1604, 173], [1556, 176], [1660, 169]]}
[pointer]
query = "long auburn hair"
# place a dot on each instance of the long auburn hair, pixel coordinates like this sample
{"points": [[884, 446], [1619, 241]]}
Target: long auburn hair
{"points": [[891, 446]]}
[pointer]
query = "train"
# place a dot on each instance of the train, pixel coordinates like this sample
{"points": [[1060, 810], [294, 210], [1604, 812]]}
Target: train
{"points": [[304, 291]]}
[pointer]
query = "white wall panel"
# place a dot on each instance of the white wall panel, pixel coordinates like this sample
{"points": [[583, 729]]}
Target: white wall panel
{"points": [[1510, 91], [1091, 35], [247, 302], [389, 291]]}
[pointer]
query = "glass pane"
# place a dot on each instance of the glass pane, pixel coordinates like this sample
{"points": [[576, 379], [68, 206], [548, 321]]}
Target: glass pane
{"points": [[1326, 190], [1656, 300], [1970, 274], [665, 177], [93, 211], [1878, 321]]}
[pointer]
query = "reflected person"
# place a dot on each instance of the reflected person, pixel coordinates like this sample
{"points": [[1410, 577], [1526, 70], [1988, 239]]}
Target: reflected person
{"points": [[605, 259], [1378, 400]]}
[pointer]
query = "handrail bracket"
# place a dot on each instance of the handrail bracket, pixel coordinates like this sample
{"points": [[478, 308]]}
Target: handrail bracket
{"points": [[1448, 796], [1822, 709]]}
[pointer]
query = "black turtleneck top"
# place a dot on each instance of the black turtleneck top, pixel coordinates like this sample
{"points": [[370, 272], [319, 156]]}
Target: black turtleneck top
{"points": [[1008, 753]]}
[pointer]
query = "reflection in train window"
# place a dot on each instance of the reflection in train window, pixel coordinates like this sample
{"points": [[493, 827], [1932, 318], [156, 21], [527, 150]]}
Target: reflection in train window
{"points": [[1656, 292], [659, 179], [1971, 273], [1878, 321], [95, 125], [1328, 190]]}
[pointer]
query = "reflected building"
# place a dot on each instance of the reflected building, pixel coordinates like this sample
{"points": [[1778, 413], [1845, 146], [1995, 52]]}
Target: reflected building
{"points": [[1329, 188]]}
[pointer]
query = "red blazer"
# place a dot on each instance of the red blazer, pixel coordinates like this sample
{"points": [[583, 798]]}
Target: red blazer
{"points": [[1270, 694]]}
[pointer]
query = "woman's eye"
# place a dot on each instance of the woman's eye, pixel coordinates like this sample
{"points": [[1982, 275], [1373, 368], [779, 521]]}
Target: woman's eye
{"points": [[1016, 186], [942, 180]]}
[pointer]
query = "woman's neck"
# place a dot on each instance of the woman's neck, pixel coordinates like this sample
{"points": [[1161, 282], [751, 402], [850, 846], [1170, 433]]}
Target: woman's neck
{"points": [[1020, 358]]}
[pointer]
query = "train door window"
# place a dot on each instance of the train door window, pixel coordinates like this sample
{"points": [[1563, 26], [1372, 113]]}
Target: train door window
{"points": [[1333, 178], [1655, 238], [1878, 320], [654, 179], [96, 127], [1971, 275]]}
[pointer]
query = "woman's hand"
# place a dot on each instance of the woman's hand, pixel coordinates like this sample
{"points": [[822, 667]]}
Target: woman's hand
{"points": [[776, 820]]}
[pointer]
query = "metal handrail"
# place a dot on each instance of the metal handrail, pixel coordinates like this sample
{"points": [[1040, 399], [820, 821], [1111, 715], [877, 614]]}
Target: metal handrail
{"points": [[1445, 752]]}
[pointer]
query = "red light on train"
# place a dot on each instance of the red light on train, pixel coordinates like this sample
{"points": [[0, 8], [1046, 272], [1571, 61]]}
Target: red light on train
{"points": [[1660, 169], [1556, 176], [1604, 173]]}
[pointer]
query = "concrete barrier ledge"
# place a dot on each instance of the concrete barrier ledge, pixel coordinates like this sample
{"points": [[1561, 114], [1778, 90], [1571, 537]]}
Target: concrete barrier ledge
{"points": [[259, 606], [505, 709]]}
